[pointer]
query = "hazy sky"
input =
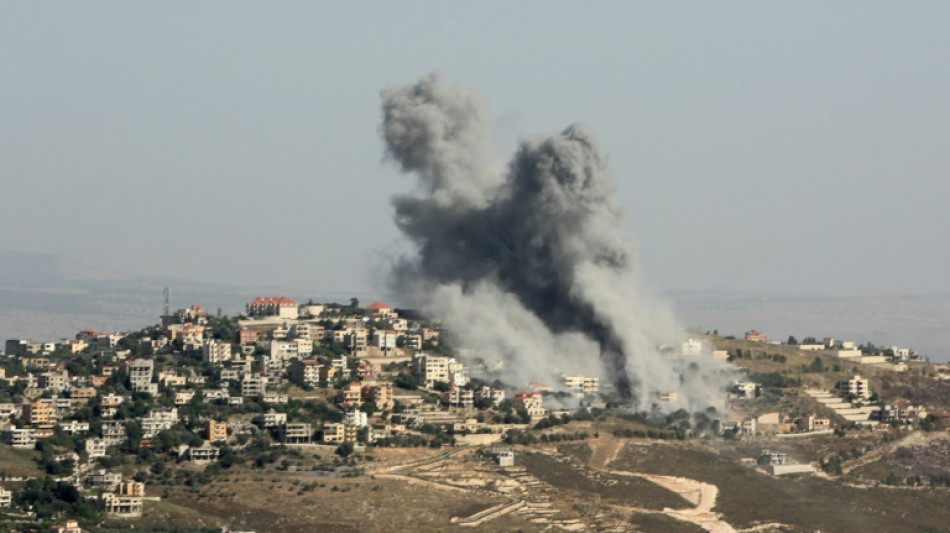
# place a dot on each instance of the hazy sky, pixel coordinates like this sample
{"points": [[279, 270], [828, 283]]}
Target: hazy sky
{"points": [[794, 149]]}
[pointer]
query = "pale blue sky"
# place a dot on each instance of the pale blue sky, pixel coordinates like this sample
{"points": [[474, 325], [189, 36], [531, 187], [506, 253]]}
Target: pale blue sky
{"points": [[791, 149]]}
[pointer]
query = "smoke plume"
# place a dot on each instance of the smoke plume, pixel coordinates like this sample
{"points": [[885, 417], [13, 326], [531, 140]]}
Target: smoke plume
{"points": [[530, 265]]}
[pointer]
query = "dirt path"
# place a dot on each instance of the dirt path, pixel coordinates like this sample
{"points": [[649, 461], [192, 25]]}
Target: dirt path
{"points": [[604, 451]]}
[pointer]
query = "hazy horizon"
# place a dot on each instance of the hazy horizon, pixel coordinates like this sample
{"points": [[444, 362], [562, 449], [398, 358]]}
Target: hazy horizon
{"points": [[789, 149]]}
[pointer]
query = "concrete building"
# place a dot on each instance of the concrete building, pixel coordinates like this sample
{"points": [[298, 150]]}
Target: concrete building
{"points": [[305, 372], [296, 433], [581, 384], [253, 386], [140, 374], [215, 351], [6, 497], [217, 431], [279, 306], [24, 438], [856, 387], [530, 402]]}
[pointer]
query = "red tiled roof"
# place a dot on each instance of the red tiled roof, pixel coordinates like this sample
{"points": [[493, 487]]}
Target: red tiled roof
{"points": [[377, 306]]}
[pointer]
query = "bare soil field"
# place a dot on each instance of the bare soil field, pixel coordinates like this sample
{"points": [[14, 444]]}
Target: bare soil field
{"points": [[747, 498]]}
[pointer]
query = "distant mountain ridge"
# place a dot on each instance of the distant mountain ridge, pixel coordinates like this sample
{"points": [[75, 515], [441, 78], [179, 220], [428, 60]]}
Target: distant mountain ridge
{"points": [[921, 322], [50, 296]]}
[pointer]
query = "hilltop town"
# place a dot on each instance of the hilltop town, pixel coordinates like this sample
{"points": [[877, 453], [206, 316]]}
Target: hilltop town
{"points": [[363, 418]]}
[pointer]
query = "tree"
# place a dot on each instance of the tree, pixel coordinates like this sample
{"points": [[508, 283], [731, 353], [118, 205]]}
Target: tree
{"points": [[345, 449], [354, 302], [792, 340]]}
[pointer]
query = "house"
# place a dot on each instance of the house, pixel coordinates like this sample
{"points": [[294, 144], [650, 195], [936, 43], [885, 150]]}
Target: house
{"points": [[272, 419], [530, 402], [158, 420], [252, 386], [745, 389], [18, 438], [202, 454], [813, 423], [103, 478], [380, 310], [184, 396], [305, 372], [6, 497], [74, 426], [581, 384], [503, 458], [70, 526], [692, 347], [279, 306], [215, 352], [755, 336], [351, 395], [430, 368], [337, 433], [114, 431], [217, 431], [297, 433], [127, 503], [459, 397], [247, 336], [494, 395], [96, 447], [140, 375], [856, 387], [380, 394], [355, 418], [40, 411]]}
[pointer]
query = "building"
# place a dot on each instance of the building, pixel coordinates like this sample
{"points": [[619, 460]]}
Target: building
{"points": [[494, 395], [856, 387], [503, 458], [272, 419], [297, 433], [380, 310], [39, 412], [252, 386], [18, 438], [140, 374], [279, 306], [96, 447], [431, 368], [215, 352], [755, 336], [305, 372], [217, 431], [6, 497], [351, 395], [580, 384], [813, 423], [380, 394], [114, 432], [56, 381], [356, 418], [338, 433], [384, 340], [127, 503], [158, 420], [70, 526], [530, 402], [692, 347], [459, 397], [247, 336]]}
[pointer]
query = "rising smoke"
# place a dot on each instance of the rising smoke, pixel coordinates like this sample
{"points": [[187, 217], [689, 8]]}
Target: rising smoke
{"points": [[530, 265]]}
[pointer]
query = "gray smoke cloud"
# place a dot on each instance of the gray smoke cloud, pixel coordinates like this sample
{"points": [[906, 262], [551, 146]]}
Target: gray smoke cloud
{"points": [[530, 264]]}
